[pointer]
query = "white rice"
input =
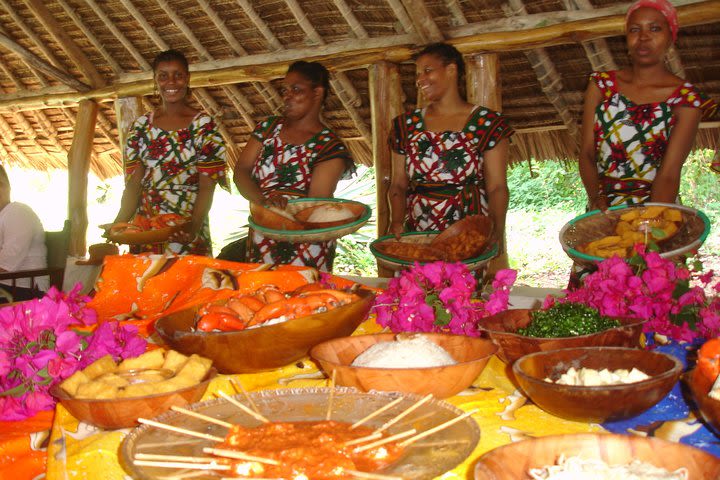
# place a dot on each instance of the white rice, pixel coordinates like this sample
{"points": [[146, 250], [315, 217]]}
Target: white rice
{"points": [[330, 213], [405, 352]]}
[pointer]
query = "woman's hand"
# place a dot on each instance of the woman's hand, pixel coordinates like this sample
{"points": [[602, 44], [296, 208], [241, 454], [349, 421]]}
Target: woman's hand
{"points": [[185, 234], [396, 228], [600, 202], [279, 201]]}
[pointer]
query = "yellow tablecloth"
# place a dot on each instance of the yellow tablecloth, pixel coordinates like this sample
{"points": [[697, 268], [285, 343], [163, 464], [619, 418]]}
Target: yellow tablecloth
{"points": [[81, 451]]}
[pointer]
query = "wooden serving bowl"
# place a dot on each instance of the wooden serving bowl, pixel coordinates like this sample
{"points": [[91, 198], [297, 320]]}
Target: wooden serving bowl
{"points": [[303, 215], [460, 240], [513, 461], [264, 347], [472, 354], [709, 407], [115, 413], [502, 326], [601, 403], [268, 218]]}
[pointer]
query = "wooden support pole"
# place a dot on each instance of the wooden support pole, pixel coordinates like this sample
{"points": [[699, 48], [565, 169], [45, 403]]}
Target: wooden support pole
{"points": [[78, 168], [386, 102], [483, 87], [127, 109]]}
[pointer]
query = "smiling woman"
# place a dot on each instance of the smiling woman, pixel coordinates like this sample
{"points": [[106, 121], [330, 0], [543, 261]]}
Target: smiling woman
{"points": [[293, 156], [174, 158]]}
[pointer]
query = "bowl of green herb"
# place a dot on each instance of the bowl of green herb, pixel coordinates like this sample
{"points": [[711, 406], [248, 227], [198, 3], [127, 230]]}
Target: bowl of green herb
{"points": [[597, 384], [521, 331]]}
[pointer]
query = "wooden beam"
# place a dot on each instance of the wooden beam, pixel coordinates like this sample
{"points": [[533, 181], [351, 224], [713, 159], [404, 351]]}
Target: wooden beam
{"points": [[117, 33], [386, 102], [78, 168], [356, 27], [76, 55], [403, 18], [423, 22], [249, 10], [483, 80], [36, 62], [596, 51]]}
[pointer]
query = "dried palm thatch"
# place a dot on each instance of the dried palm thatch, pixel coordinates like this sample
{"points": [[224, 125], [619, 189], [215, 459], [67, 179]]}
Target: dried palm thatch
{"points": [[56, 53]]}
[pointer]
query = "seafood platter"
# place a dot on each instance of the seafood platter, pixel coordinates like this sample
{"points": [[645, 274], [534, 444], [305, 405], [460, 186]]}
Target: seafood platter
{"points": [[674, 229], [145, 230], [469, 241], [315, 433], [309, 219]]}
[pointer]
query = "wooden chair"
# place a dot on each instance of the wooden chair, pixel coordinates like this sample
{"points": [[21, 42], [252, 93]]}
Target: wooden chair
{"points": [[58, 245]]}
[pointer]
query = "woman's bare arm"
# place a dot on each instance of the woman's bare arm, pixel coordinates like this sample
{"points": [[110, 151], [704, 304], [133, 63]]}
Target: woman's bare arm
{"points": [[496, 188], [588, 156], [242, 170], [131, 195], [397, 194]]}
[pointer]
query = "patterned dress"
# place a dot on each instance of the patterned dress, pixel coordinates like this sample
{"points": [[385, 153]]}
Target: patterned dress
{"points": [[630, 139], [173, 162], [286, 169], [445, 169]]}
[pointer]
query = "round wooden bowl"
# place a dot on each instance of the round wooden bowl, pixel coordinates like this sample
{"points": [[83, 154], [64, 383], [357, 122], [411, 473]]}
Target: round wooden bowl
{"points": [[265, 347], [426, 252], [502, 326], [513, 461], [708, 406], [115, 413], [309, 233], [595, 224], [303, 216], [472, 354], [600, 403]]}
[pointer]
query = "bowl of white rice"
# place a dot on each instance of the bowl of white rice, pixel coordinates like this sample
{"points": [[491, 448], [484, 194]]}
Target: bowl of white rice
{"points": [[420, 363]]}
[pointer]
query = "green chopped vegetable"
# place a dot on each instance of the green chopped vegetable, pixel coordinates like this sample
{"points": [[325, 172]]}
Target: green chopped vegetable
{"points": [[566, 320]]}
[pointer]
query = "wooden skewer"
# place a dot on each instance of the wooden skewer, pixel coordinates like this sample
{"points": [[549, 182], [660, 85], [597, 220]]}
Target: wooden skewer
{"points": [[173, 458], [332, 394], [376, 413], [238, 385], [437, 428], [221, 452], [385, 440], [374, 476], [366, 438], [190, 413], [186, 465], [405, 413], [243, 407], [184, 431]]}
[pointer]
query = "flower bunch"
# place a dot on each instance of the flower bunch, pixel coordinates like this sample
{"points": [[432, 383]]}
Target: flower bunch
{"points": [[438, 297], [39, 348], [670, 296]]}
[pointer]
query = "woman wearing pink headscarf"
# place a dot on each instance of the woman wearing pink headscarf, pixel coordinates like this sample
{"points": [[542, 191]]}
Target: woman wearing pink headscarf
{"points": [[640, 123]]}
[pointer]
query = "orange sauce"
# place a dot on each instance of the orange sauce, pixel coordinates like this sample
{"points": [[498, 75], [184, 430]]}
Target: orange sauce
{"points": [[306, 450]]}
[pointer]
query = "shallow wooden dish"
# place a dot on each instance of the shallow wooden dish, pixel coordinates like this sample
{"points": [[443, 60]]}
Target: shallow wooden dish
{"points": [[461, 240], [303, 215], [709, 407], [262, 348], [267, 217], [513, 461], [124, 412], [502, 326], [472, 354], [601, 403]]}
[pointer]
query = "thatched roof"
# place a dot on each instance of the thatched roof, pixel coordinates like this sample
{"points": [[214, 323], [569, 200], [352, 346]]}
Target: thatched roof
{"points": [[58, 52]]}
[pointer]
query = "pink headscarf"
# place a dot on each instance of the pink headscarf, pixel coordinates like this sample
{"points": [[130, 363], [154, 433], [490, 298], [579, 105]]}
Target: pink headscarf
{"points": [[662, 6]]}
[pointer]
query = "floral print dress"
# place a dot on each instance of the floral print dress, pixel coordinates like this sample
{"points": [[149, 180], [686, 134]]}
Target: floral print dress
{"points": [[630, 139], [286, 169], [445, 169], [173, 162]]}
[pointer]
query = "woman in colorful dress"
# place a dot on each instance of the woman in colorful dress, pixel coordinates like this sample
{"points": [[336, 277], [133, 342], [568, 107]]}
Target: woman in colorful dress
{"points": [[640, 123], [449, 158], [293, 156], [174, 158]]}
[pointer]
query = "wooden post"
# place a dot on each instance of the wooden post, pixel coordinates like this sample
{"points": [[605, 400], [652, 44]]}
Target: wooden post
{"points": [[483, 87], [385, 103], [78, 168], [127, 109]]}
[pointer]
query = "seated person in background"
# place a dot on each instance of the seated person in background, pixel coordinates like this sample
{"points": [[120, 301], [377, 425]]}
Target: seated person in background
{"points": [[22, 244]]}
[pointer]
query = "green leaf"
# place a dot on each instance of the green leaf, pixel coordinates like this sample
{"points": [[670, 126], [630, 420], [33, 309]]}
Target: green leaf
{"points": [[18, 391], [681, 288], [442, 317], [658, 233]]}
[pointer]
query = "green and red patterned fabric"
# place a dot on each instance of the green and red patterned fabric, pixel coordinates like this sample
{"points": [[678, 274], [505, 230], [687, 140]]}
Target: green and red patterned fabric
{"points": [[286, 169], [630, 139], [173, 162], [445, 169]]}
